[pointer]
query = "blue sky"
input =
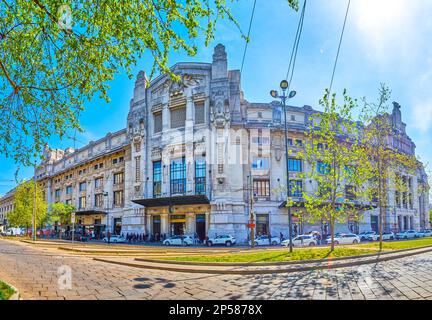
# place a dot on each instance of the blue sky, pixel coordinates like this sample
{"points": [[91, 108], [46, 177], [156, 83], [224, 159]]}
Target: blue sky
{"points": [[385, 41]]}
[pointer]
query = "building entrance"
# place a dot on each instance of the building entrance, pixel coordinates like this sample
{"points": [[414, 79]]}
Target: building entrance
{"points": [[201, 226], [178, 223]]}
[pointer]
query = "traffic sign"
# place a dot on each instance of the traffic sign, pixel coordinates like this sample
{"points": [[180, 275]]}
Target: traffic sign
{"points": [[251, 225]]}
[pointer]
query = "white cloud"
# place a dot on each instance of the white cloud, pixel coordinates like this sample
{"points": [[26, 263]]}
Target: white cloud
{"points": [[422, 116]]}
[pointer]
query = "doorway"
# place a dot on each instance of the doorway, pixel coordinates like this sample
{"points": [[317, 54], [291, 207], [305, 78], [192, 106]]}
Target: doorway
{"points": [[156, 225], [374, 223], [178, 223], [201, 226]]}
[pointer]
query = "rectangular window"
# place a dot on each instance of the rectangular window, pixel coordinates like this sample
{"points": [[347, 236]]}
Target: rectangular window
{"points": [[299, 143], [82, 186], [294, 165], [397, 199], [98, 182], [99, 200], [121, 159], [100, 165], [69, 190], [178, 176], [261, 140], [69, 202], [199, 113], [157, 179], [178, 117], [200, 176], [323, 168], [260, 163], [261, 188], [350, 193], [95, 167], [138, 169], [82, 202], [118, 198], [114, 161], [119, 178], [157, 122], [296, 188], [57, 193]]}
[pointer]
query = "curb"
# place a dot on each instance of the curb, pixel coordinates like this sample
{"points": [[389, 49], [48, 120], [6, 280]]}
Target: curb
{"points": [[253, 272], [278, 263]]}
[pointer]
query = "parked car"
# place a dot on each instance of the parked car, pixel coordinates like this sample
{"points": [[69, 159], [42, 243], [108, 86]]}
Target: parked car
{"points": [[425, 233], [226, 240], [178, 241], [336, 235], [302, 241], [265, 241], [14, 232], [348, 238], [115, 239], [366, 234], [372, 236], [388, 236], [408, 234]]}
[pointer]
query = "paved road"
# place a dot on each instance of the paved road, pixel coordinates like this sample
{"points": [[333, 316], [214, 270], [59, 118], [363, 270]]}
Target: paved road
{"points": [[35, 272]]}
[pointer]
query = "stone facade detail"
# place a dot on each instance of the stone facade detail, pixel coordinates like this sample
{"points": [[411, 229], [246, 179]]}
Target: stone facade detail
{"points": [[196, 177]]}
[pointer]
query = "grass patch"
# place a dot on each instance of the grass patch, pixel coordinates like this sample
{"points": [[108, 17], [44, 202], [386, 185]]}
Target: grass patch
{"points": [[5, 291], [278, 255], [399, 245]]}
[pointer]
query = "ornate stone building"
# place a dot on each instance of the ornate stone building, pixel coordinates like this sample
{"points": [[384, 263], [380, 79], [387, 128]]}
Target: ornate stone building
{"points": [[191, 151]]}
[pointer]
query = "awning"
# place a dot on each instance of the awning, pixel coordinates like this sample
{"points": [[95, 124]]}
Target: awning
{"points": [[173, 201], [89, 212]]}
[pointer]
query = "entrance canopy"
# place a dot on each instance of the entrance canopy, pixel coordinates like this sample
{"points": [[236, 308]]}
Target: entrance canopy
{"points": [[173, 201], [89, 212]]}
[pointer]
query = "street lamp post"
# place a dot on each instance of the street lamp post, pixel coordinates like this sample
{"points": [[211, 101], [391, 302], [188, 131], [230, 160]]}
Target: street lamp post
{"points": [[284, 97]]}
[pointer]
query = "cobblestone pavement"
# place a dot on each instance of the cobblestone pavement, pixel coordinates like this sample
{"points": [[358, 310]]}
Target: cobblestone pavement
{"points": [[35, 272]]}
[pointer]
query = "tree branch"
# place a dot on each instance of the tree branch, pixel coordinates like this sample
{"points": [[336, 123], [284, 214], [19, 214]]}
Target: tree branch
{"points": [[13, 84]]}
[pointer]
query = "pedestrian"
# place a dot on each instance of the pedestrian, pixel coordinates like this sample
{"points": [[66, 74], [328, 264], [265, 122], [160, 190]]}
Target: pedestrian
{"points": [[281, 236]]}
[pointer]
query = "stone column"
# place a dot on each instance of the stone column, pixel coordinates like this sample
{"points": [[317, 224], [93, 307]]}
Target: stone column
{"points": [[207, 222], [148, 226], [190, 225], [164, 224]]}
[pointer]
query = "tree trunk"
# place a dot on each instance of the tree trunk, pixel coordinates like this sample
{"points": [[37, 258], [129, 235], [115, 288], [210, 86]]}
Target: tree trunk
{"points": [[332, 245]]}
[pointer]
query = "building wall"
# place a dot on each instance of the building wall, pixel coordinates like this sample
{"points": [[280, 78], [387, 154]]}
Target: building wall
{"points": [[225, 139]]}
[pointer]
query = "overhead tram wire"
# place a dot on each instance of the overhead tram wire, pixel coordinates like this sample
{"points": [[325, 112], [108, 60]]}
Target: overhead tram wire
{"points": [[294, 51], [339, 47], [248, 34]]}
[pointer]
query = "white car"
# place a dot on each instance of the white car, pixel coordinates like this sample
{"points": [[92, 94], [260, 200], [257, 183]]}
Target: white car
{"points": [[426, 233], [301, 241], [348, 238], [178, 241], [388, 236], [265, 241], [225, 240], [115, 239], [408, 234], [366, 235]]}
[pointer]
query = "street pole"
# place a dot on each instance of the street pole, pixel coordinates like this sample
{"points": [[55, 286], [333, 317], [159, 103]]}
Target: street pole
{"points": [[284, 86], [287, 174], [34, 204], [251, 212]]}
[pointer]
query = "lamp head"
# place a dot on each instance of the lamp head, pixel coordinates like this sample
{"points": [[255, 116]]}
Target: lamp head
{"points": [[284, 85], [274, 93], [292, 94]]}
